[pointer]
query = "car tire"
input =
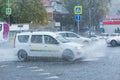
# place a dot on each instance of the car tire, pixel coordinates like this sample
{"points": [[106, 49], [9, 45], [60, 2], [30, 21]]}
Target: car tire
{"points": [[114, 43], [68, 55], [86, 42], [22, 55]]}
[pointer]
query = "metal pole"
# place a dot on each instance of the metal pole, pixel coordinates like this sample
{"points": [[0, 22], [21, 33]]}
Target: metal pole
{"points": [[8, 14], [9, 22], [78, 26], [89, 17]]}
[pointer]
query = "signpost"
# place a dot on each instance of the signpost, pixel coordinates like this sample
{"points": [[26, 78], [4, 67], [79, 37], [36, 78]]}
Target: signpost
{"points": [[8, 11], [77, 17], [78, 11], [78, 20]]}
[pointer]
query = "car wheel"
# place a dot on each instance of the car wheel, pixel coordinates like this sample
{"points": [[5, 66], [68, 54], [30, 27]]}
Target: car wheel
{"points": [[22, 55], [113, 43], [68, 55], [86, 41]]}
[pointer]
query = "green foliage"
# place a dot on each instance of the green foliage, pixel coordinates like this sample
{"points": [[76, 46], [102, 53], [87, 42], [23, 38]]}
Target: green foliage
{"points": [[3, 6], [25, 11], [29, 11], [98, 10]]}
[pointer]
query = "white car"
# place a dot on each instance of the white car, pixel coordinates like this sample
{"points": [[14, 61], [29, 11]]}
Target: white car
{"points": [[113, 41], [114, 34], [103, 36], [46, 44], [94, 37], [74, 37]]}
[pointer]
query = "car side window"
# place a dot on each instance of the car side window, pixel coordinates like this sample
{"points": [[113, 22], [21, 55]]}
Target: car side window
{"points": [[63, 34], [71, 35], [36, 39], [23, 38], [49, 40]]}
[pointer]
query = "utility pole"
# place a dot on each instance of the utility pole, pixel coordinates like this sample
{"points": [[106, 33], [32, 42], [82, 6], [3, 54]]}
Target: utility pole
{"points": [[90, 18]]}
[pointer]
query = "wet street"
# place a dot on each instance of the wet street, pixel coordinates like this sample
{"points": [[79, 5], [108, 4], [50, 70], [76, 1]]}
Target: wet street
{"points": [[105, 67]]}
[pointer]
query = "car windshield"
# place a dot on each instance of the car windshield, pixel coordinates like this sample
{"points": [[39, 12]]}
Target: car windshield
{"points": [[62, 39], [115, 34], [104, 34]]}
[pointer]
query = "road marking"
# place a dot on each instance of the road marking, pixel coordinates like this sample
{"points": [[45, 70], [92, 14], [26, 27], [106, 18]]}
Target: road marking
{"points": [[19, 66], [53, 77], [37, 70], [34, 67], [2, 66], [42, 74]]}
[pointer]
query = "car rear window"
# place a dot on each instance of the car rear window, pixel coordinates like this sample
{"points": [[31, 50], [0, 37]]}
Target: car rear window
{"points": [[23, 38]]}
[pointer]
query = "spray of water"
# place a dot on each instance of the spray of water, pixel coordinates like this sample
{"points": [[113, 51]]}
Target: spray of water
{"points": [[95, 50], [7, 52]]}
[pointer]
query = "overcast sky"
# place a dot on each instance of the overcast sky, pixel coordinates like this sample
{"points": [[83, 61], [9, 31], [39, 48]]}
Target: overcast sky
{"points": [[114, 7]]}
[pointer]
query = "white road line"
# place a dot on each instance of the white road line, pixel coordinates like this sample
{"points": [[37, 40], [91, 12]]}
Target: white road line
{"points": [[2, 66], [34, 67], [42, 74], [37, 70], [19, 66], [53, 77]]}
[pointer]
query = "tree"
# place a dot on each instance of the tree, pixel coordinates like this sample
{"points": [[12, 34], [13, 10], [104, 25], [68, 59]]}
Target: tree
{"points": [[26, 11], [3, 6], [98, 11], [2, 10]]}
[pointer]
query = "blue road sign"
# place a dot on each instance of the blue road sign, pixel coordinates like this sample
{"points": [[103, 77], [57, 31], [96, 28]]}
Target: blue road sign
{"points": [[77, 10], [77, 17]]}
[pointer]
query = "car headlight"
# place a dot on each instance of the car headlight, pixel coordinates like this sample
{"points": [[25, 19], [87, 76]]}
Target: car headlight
{"points": [[79, 48], [108, 40]]}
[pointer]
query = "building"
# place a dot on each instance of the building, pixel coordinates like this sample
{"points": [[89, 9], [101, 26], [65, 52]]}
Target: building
{"points": [[55, 10], [111, 24]]}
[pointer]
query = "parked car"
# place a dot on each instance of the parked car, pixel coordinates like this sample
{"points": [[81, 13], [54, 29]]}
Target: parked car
{"points": [[115, 34], [74, 37], [46, 44], [94, 37], [113, 41], [104, 36]]}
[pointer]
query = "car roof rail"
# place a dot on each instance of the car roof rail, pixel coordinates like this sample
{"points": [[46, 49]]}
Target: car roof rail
{"points": [[30, 30]]}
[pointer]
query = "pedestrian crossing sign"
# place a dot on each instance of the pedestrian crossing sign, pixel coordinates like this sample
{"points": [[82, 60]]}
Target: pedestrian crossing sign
{"points": [[8, 11], [78, 10]]}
